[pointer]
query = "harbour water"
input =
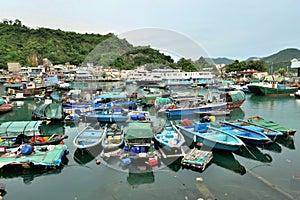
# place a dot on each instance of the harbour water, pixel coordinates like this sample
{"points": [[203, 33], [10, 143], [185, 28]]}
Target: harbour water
{"points": [[263, 173]]}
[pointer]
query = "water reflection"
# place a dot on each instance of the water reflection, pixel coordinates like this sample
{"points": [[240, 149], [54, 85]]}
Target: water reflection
{"points": [[141, 174], [228, 161], [236, 113], [254, 153], [29, 174], [287, 142], [83, 157], [274, 146]]}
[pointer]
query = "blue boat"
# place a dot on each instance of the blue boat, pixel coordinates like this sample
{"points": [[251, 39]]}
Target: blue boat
{"points": [[89, 137], [105, 116], [248, 136], [113, 137], [170, 139], [190, 110], [271, 133], [211, 137]]}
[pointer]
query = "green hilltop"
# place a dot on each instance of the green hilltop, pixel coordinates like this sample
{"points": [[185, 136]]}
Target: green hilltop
{"points": [[28, 46], [19, 43]]}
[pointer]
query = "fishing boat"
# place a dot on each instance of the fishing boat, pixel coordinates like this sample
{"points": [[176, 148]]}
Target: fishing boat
{"points": [[15, 133], [89, 137], [48, 111], [170, 139], [211, 137], [5, 106], [271, 133], [271, 89], [191, 108], [113, 138], [139, 140], [234, 99], [104, 116], [247, 136], [270, 124], [26, 156]]}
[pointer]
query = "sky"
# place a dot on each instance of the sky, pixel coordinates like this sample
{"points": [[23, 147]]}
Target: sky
{"points": [[215, 28]]}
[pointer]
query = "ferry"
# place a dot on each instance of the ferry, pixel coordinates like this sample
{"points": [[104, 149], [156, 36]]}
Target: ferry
{"points": [[169, 76]]}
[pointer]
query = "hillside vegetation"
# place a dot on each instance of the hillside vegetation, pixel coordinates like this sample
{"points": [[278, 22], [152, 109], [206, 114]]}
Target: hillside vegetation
{"points": [[28, 46]]}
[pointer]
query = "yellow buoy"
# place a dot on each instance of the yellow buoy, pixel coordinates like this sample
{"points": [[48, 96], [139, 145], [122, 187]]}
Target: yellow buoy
{"points": [[212, 118]]}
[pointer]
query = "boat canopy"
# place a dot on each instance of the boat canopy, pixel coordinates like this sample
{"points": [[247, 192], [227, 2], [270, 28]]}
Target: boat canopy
{"points": [[14, 128], [162, 101], [237, 95], [51, 111], [137, 130]]}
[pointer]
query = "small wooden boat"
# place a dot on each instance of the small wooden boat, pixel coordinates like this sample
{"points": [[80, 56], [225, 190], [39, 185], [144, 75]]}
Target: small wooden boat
{"points": [[89, 137], [211, 137], [248, 136], [6, 107], [271, 133], [113, 137], [270, 124], [170, 138]]}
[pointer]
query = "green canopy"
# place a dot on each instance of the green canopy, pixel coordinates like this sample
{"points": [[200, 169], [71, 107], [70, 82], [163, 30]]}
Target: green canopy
{"points": [[237, 95], [14, 128], [137, 130]]}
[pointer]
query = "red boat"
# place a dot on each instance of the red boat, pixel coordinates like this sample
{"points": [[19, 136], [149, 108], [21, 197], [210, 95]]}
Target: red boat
{"points": [[6, 107]]}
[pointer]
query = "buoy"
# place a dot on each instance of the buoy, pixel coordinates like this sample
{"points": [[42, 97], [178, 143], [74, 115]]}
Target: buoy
{"points": [[98, 162]]}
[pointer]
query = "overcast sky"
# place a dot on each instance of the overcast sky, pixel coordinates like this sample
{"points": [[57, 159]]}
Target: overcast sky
{"points": [[221, 28]]}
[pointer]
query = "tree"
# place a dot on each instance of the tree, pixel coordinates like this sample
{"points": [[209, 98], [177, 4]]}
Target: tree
{"points": [[186, 65]]}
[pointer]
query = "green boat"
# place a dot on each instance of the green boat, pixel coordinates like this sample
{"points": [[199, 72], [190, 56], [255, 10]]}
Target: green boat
{"points": [[271, 89], [270, 124]]}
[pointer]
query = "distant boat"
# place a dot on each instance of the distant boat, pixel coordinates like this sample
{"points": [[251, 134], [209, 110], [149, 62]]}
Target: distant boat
{"points": [[210, 137], [247, 136], [234, 99], [103, 117], [271, 133], [270, 124], [48, 111], [89, 137], [113, 137], [271, 89], [170, 138], [297, 94]]}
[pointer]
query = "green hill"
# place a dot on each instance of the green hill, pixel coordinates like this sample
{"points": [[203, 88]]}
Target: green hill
{"points": [[27, 46]]}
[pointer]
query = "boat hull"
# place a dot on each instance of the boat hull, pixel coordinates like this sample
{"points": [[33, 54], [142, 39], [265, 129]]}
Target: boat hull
{"points": [[269, 91], [214, 144]]}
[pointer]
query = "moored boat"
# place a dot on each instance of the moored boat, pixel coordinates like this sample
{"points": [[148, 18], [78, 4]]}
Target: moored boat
{"points": [[247, 136], [271, 124], [113, 137], [271, 89], [89, 137], [271, 133], [170, 139], [210, 137]]}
